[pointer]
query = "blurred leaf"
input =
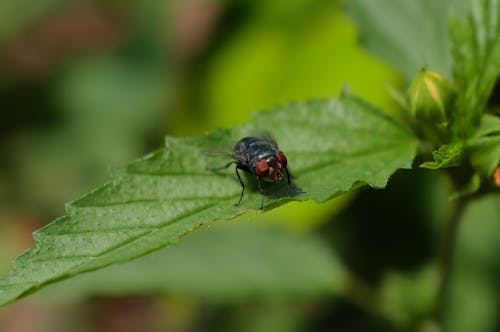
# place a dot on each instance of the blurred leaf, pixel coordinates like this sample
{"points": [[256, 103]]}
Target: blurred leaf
{"points": [[281, 11], [266, 317], [490, 124], [478, 244], [446, 156], [106, 104], [332, 146], [484, 154], [110, 105], [112, 93], [473, 305], [408, 34], [406, 296], [16, 15], [484, 149], [226, 262], [469, 188], [474, 301], [49, 171], [276, 71], [476, 52]]}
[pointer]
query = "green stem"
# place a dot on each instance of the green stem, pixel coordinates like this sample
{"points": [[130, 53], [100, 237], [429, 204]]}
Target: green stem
{"points": [[362, 295], [365, 297], [447, 253]]}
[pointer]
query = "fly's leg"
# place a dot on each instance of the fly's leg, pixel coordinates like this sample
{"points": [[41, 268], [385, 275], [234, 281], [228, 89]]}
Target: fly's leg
{"points": [[261, 194], [241, 182], [288, 176], [215, 169]]}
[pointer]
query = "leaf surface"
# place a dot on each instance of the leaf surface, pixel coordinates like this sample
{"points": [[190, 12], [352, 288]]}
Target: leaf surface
{"points": [[224, 263], [473, 302], [332, 146], [490, 125], [484, 148], [406, 33], [476, 52], [485, 154], [448, 155]]}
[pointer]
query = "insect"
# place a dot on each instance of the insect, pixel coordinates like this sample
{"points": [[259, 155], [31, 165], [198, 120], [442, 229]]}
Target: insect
{"points": [[262, 158]]}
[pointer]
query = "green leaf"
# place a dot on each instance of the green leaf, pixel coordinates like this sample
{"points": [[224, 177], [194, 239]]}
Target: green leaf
{"points": [[472, 185], [484, 154], [332, 146], [474, 302], [223, 263], [408, 34], [484, 149], [317, 66], [446, 156], [406, 295], [476, 51], [490, 124]]}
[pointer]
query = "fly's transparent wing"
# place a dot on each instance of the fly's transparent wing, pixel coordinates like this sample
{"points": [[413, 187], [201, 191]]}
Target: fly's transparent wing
{"points": [[266, 135], [219, 157]]}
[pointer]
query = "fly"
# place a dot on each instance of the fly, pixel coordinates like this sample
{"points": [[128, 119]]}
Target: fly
{"points": [[262, 158]]}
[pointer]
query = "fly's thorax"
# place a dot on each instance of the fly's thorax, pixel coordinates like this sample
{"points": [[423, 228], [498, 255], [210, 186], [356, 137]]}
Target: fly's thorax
{"points": [[250, 151]]}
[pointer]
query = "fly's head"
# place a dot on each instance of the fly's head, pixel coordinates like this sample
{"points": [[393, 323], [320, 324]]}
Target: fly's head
{"points": [[271, 169]]}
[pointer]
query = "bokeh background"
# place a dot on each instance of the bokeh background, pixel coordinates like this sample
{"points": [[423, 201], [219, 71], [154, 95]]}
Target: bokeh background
{"points": [[86, 86]]}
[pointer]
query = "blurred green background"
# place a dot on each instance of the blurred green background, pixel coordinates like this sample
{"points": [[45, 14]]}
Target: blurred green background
{"points": [[86, 86]]}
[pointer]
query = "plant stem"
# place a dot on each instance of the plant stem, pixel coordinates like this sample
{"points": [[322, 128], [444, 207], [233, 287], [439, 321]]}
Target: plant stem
{"points": [[365, 297], [447, 253], [362, 295]]}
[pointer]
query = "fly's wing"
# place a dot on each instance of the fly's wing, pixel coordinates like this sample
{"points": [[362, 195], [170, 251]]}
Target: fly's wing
{"points": [[219, 156], [267, 136]]}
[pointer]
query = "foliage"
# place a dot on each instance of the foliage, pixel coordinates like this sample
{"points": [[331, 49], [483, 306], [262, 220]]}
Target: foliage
{"points": [[445, 156], [156, 200], [408, 34], [476, 51], [261, 265]]}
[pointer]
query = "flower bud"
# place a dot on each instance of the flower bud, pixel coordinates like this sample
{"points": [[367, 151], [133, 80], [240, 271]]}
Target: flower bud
{"points": [[429, 95], [496, 176]]}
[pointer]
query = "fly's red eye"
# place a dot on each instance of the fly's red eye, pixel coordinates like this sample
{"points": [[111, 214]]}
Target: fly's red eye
{"points": [[262, 168], [282, 159]]}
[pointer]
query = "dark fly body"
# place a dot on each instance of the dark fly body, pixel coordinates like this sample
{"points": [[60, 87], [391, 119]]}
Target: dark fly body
{"points": [[262, 158]]}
